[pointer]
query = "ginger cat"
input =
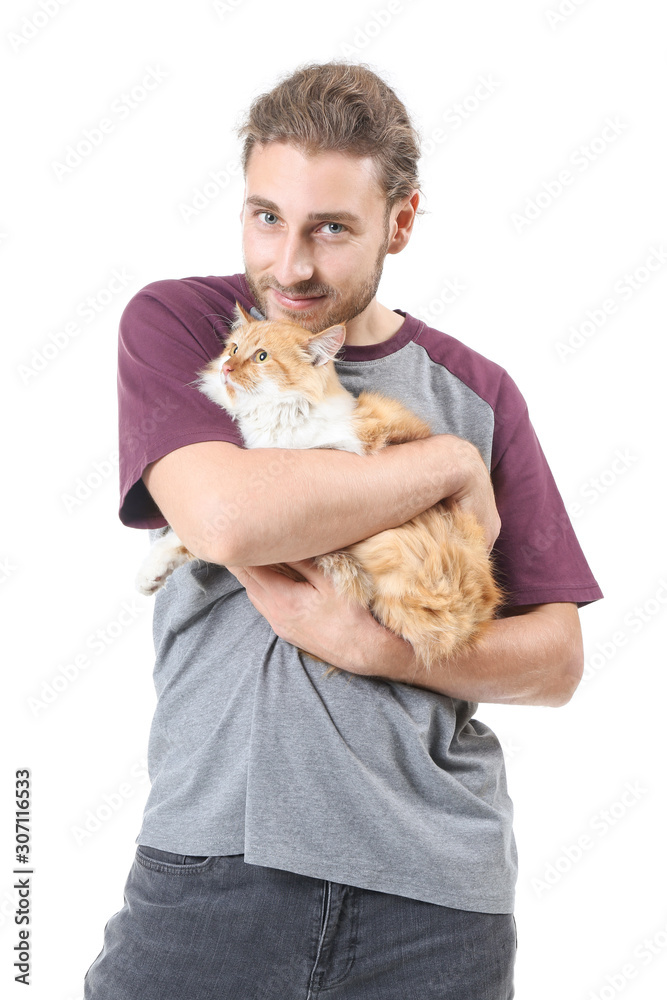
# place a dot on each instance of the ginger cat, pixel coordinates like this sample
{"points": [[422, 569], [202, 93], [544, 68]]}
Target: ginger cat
{"points": [[429, 580]]}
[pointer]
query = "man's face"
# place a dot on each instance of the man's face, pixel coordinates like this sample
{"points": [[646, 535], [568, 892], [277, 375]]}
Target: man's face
{"points": [[315, 234]]}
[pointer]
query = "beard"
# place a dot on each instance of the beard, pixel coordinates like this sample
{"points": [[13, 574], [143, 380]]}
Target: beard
{"points": [[341, 307]]}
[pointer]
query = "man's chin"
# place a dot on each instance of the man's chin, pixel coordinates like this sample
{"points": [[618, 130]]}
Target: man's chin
{"points": [[310, 319]]}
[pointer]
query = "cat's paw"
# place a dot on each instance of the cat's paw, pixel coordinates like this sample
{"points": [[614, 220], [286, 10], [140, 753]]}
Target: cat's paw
{"points": [[148, 584], [166, 555]]}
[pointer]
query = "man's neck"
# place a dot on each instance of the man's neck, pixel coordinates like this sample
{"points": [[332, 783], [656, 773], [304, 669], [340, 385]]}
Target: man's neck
{"points": [[373, 326]]}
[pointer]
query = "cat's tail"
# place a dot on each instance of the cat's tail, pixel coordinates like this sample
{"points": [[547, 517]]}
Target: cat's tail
{"points": [[432, 581]]}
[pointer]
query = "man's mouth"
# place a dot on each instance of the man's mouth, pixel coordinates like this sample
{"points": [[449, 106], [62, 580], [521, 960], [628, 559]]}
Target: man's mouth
{"points": [[296, 302]]}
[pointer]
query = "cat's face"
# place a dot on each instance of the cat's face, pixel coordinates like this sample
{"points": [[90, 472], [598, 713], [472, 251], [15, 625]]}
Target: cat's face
{"points": [[270, 361]]}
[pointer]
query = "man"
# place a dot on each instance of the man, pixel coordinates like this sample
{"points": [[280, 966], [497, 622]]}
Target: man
{"points": [[305, 835]]}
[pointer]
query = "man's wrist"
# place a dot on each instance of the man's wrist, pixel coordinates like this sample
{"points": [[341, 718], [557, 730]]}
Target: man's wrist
{"points": [[386, 655]]}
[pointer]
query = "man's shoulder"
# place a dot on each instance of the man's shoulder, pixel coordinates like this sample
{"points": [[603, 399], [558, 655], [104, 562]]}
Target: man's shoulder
{"points": [[183, 294], [181, 319], [488, 379]]}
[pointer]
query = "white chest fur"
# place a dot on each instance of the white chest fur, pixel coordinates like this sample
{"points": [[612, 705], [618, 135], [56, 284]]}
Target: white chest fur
{"points": [[292, 422]]}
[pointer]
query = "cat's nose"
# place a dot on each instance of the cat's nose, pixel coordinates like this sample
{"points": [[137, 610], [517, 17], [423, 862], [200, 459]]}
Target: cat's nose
{"points": [[226, 369]]}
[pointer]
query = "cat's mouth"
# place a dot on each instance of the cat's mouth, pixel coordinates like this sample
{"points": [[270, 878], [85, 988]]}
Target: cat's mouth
{"points": [[231, 387]]}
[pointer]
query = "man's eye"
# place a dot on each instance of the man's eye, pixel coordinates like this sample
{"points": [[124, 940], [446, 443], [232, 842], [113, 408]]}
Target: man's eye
{"points": [[268, 217], [335, 228]]}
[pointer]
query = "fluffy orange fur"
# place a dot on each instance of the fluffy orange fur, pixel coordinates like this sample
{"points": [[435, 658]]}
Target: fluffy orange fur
{"points": [[429, 580]]}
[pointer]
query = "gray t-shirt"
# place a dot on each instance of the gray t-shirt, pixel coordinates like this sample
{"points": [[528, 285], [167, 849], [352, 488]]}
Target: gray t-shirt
{"points": [[253, 750]]}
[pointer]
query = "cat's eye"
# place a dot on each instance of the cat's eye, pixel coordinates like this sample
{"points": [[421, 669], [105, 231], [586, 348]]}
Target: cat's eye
{"points": [[232, 348], [260, 356]]}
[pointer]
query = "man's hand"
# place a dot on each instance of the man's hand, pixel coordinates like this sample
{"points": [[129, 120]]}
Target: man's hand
{"points": [[533, 657], [476, 494], [313, 616]]}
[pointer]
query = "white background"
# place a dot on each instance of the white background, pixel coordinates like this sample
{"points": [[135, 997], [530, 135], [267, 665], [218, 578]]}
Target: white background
{"points": [[588, 779]]}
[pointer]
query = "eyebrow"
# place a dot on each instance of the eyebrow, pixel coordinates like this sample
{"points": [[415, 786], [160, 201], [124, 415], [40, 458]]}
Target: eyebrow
{"points": [[339, 215]]}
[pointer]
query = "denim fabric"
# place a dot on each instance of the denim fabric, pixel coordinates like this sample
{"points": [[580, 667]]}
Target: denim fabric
{"points": [[218, 928]]}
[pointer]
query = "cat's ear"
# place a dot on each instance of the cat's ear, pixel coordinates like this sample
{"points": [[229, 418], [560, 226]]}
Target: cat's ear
{"points": [[324, 346], [241, 314]]}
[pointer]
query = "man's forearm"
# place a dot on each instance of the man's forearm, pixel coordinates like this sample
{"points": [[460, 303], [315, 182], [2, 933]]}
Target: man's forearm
{"points": [[534, 658], [262, 506]]}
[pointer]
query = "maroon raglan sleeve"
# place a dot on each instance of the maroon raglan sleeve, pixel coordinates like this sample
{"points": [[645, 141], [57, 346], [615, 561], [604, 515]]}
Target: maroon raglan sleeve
{"points": [[168, 332], [537, 556]]}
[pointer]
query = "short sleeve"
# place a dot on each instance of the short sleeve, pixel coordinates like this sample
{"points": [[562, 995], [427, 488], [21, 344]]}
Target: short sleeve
{"points": [[168, 332], [537, 556]]}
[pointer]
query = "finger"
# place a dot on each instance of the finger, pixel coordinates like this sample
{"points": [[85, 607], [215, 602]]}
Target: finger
{"points": [[259, 579], [308, 569], [248, 576], [241, 573]]}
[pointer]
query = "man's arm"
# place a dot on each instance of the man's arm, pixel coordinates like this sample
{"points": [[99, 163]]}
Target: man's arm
{"points": [[259, 506], [533, 657]]}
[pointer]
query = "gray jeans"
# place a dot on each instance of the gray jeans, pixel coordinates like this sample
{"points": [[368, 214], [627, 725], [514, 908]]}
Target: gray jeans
{"points": [[220, 929]]}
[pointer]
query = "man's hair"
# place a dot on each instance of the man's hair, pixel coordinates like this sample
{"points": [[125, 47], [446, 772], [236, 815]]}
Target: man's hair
{"points": [[343, 107]]}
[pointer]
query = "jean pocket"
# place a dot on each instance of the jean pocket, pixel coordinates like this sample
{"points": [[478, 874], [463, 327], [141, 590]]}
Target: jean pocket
{"points": [[166, 861]]}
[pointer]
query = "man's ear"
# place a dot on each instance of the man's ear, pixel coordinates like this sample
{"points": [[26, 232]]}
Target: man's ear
{"points": [[242, 314], [402, 225], [325, 346]]}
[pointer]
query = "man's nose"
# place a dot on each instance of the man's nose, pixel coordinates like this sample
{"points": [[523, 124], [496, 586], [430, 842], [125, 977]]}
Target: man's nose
{"points": [[294, 262]]}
